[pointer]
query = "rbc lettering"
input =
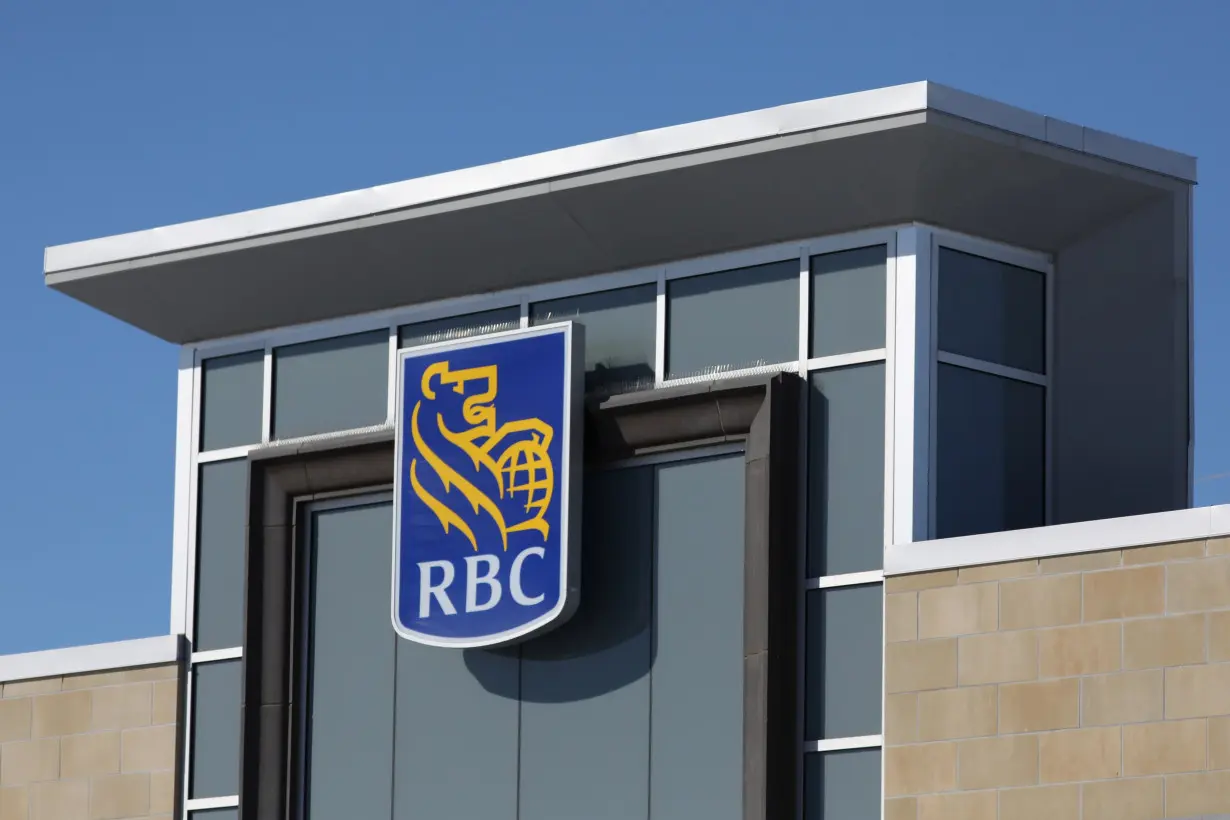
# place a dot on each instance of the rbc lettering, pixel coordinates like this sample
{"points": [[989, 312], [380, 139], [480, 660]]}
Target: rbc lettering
{"points": [[480, 571]]}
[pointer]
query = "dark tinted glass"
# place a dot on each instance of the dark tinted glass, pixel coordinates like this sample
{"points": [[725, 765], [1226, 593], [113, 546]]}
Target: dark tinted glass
{"points": [[844, 666], [842, 785], [231, 388], [222, 499], [619, 334], [459, 327], [848, 300], [733, 319], [845, 481], [329, 385], [215, 729], [992, 311], [990, 453]]}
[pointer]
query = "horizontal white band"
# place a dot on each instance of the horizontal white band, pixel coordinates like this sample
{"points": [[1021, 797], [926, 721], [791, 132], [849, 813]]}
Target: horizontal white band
{"points": [[98, 657]]}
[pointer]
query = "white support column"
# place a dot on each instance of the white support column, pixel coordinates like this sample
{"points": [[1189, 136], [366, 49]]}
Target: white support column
{"points": [[181, 538], [912, 348]]}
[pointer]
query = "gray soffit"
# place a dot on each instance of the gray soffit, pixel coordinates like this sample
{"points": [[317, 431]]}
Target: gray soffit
{"points": [[912, 152]]}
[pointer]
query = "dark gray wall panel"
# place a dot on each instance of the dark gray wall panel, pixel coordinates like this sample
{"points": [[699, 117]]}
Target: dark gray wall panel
{"points": [[733, 319], [333, 384], [222, 509], [459, 327], [696, 749], [232, 390], [842, 785], [848, 300], [585, 687], [845, 629], [845, 476], [215, 729], [456, 743], [350, 771], [1121, 397]]}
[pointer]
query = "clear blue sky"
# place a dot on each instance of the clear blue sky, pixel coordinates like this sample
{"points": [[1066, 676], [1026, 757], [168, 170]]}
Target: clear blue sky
{"points": [[122, 116]]}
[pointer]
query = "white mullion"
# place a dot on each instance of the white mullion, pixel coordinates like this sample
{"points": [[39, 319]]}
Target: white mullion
{"points": [[933, 368], [185, 446], [525, 310], [185, 763], [804, 307], [801, 555], [849, 579], [841, 744], [890, 364], [267, 396], [992, 368], [205, 803], [659, 339], [225, 454], [846, 359], [1048, 485], [391, 403], [214, 655], [912, 386]]}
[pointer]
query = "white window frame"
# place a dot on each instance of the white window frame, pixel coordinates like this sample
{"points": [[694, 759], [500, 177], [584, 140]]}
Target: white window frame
{"points": [[909, 356]]}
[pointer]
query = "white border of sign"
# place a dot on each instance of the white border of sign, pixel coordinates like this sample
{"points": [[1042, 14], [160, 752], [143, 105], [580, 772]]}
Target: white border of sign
{"points": [[570, 499]]}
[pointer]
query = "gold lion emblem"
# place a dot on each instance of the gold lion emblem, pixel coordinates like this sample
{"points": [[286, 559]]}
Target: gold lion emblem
{"points": [[522, 468]]}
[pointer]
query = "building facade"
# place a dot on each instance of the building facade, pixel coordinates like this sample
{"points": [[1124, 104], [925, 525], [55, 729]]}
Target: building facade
{"points": [[887, 475]]}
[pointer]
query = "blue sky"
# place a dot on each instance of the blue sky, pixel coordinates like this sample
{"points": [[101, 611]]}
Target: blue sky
{"points": [[122, 116]]}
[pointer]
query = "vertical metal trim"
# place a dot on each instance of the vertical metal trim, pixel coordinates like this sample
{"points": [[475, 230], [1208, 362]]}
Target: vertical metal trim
{"points": [[185, 450], [391, 377], [659, 339], [267, 396]]}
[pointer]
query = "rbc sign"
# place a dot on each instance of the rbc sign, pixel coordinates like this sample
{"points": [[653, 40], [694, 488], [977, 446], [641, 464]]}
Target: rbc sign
{"points": [[485, 494]]}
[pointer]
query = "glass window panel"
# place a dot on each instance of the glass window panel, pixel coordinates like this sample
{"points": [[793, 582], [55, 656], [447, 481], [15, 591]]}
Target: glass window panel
{"points": [[222, 511], [231, 392], [992, 311], [331, 384], [619, 335], [734, 319], [215, 729], [990, 453], [848, 300], [459, 327], [845, 484], [844, 646], [215, 814], [842, 785]]}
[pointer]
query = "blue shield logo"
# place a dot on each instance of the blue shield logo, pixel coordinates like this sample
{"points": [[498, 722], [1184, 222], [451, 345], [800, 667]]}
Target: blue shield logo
{"points": [[485, 508]]}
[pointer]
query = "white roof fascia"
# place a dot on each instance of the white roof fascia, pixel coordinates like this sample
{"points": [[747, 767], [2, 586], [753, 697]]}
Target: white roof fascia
{"points": [[1059, 539], [646, 145], [99, 657]]}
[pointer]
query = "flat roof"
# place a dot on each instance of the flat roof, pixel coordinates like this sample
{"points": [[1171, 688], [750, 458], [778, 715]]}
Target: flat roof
{"points": [[173, 282]]}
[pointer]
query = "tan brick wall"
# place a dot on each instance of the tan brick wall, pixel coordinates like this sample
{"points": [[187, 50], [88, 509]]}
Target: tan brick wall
{"points": [[1082, 687], [89, 747]]}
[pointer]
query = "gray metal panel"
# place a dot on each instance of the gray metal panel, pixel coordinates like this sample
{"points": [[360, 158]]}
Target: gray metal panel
{"points": [[456, 733], [620, 329], [992, 311], [222, 498], [459, 327], [845, 641], [1120, 395], [231, 393], [350, 771], [333, 384], [696, 751], [847, 300], [215, 729], [845, 483], [990, 453], [585, 687], [842, 785], [733, 319]]}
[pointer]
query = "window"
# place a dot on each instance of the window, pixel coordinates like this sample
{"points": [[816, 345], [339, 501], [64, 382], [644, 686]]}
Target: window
{"points": [[619, 335], [458, 327], [847, 300], [732, 320], [990, 399], [232, 387], [330, 385]]}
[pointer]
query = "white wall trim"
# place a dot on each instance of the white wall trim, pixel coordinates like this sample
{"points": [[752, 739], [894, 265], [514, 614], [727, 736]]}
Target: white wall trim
{"points": [[1060, 539], [99, 657]]}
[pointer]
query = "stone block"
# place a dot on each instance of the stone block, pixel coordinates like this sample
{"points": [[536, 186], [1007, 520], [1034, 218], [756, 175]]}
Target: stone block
{"points": [[948, 714], [30, 761], [1156, 642], [63, 800], [1161, 553], [1164, 748], [1081, 754], [1197, 691], [997, 572], [15, 719], [1080, 650], [1081, 562], [912, 666], [961, 610], [1036, 602], [1139, 799], [1198, 586], [119, 796], [149, 749], [122, 707], [901, 617], [1129, 697], [1125, 593], [995, 762], [997, 657], [62, 714], [90, 755], [1191, 795], [1039, 706], [1040, 803], [920, 580], [901, 719], [920, 769], [958, 806]]}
